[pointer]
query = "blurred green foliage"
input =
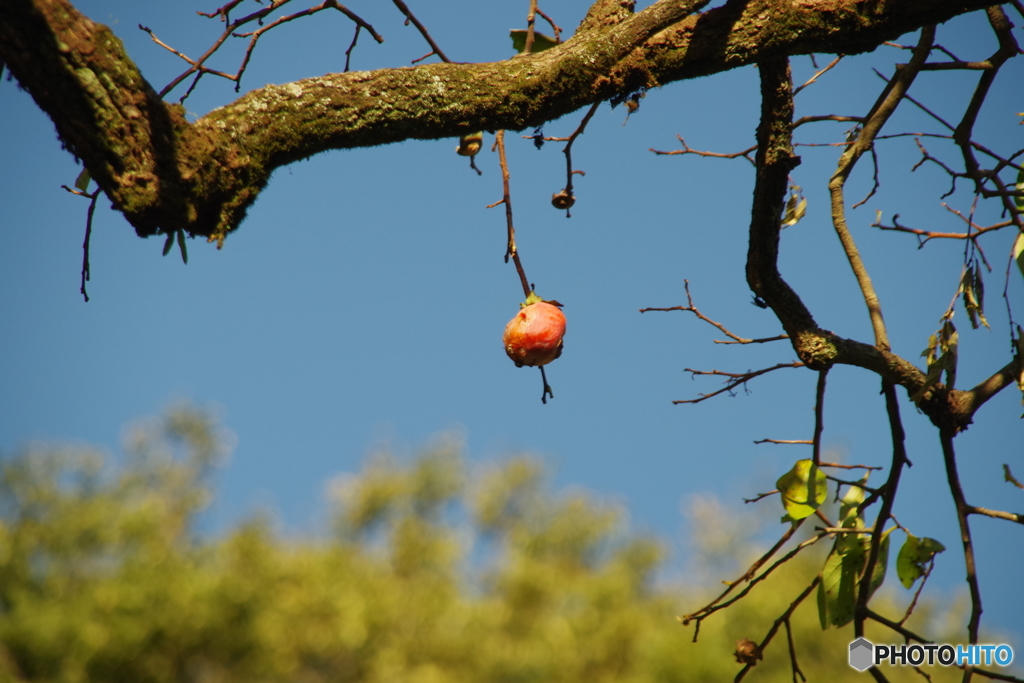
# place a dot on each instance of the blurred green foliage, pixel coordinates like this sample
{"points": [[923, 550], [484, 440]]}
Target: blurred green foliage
{"points": [[430, 572]]}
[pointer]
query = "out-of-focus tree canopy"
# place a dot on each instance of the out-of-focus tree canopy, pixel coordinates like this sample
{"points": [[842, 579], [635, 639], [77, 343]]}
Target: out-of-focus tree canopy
{"points": [[429, 572]]}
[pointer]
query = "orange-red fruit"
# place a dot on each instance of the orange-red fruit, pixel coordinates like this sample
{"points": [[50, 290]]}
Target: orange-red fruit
{"points": [[534, 335]]}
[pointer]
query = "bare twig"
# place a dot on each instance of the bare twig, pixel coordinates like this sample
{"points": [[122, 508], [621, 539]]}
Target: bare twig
{"points": [[717, 604], [92, 197], [410, 17], [995, 675], [995, 514], [925, 235], [876, 118], [565, 198], [917, 593], [1008, 476], [510, 249], [760, 496], [688, 150], [736, 339], [554, 27], [735, 379], [198, 68], [962, 513], [899, 458], [899, 628], [818, 74], [792, 648], [780, 441], [775, 627], [254, 36], [850, 467]]}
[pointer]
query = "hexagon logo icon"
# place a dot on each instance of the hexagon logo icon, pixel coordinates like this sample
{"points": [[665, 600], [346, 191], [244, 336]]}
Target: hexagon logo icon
{"points": [[861, 654]]}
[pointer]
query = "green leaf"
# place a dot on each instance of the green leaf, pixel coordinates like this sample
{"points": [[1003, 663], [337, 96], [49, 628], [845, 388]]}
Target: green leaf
{"points": [[169, 243], [181, 245], [849, 509], [914, 555], [541, 42], [803, 490], [82, 181], [840, 577], [878, 575], [830, 601]]}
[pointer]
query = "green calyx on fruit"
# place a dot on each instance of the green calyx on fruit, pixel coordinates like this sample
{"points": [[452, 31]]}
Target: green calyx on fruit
{"points": [[534, 336]]}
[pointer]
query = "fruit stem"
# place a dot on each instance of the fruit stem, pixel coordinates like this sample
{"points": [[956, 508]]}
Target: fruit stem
{"points": [[547, 387]]}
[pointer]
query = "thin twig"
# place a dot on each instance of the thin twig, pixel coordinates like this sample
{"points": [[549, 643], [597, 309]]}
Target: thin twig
{"points": [[736, 339], [850, 467], [899, 458], [818, 74], [995, 514], [962, 513], [1008, 476], [781, 441], [880, 112], [760, 496], [688, 150], [792, 648], [899, 628], [775, 627], [510, 249], [917, 593], [554, 27], [410, 17], [713, 606], [92, 197], [565, 198], [735, 379], [198, 66]]}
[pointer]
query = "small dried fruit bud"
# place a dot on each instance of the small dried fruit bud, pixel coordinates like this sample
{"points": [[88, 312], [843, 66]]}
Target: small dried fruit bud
{"points": [[747, 652], [470, 144], [562, 200], [534, 335]]}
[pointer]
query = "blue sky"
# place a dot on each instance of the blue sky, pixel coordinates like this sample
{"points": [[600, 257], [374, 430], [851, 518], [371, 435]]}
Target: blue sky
{"points": [[362, 301]]}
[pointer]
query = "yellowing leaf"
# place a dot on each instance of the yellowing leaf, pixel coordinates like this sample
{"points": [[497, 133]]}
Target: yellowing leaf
{"points": [[803, 489]]}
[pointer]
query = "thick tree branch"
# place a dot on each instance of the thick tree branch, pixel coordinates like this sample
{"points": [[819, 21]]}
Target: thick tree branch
{"points": [[166, 175]]}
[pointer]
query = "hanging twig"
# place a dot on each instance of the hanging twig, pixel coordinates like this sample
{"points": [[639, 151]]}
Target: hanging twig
{"points": [[565, 198], [510, 250], [92, 197]]}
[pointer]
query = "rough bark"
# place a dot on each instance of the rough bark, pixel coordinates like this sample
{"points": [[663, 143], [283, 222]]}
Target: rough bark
{"points": [[165, 174]]}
